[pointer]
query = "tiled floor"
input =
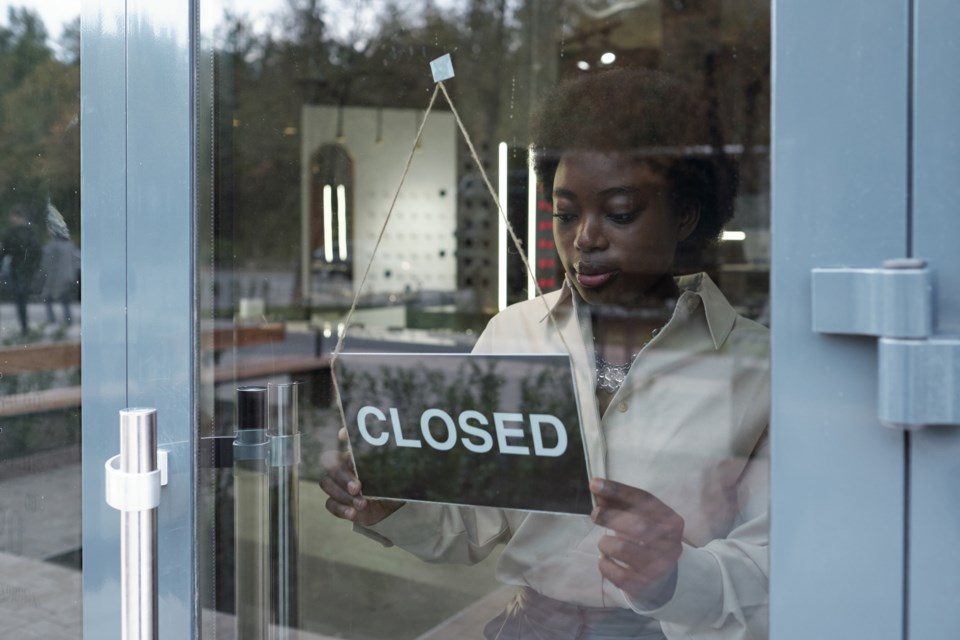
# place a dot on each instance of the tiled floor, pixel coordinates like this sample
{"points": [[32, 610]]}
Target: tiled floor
{"points": [[40, 513], [38, 600], [39, 520]]}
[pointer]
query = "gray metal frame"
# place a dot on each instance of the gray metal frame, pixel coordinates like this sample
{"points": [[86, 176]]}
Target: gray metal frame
{"points": [[839, 199], [933, 587], [137, 105]]}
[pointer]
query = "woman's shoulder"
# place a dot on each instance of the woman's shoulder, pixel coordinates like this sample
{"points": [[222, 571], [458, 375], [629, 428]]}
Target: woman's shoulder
{"points": [[522, 326], [533, 310]]}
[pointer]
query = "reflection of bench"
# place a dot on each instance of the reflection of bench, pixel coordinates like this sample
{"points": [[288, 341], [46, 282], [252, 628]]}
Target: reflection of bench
{"points": [[65, 355]]}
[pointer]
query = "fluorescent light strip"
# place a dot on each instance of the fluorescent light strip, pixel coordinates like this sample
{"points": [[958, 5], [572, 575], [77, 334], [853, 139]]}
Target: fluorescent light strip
{"points": [[342, 219], [733, 235], [531, 228], [327, 223], [502, 240]]}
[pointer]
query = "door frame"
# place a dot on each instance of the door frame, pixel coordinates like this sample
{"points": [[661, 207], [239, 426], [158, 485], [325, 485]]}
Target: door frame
{"points": [[839, 198], [138, 345]]}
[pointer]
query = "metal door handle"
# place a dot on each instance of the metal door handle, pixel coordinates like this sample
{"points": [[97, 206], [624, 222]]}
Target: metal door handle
{"points": [[133, 481], [917, 373], [283, 431], [266, 458]]}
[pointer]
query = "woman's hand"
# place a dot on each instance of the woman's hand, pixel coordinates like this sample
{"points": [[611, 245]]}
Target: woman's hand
{"points": [[346, 500], [646, 542]]}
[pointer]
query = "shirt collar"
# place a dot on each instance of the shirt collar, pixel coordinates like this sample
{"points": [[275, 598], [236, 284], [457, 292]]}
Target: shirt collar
{"points": [[719, 314]]}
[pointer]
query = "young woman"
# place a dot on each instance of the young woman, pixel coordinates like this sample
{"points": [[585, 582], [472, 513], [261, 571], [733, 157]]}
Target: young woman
{"points": [[673, 388]]}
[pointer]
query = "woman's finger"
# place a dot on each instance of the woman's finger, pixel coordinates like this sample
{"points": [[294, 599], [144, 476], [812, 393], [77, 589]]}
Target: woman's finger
{"points": [[341, 510], [336, 466], [640, 526], [616, 494], [339, 493]]}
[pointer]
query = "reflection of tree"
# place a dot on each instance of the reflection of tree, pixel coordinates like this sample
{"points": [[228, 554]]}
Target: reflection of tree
{"points": [[266, 76], [506, 54], [39, 117], [481, 385], [550, 394]]}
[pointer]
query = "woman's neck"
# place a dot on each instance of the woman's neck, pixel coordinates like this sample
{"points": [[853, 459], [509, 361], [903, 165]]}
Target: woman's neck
{"points": [[620, 332]]}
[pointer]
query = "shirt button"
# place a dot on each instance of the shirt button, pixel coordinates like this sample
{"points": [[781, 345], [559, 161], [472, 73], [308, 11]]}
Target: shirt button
{"points": [[622, 406]]}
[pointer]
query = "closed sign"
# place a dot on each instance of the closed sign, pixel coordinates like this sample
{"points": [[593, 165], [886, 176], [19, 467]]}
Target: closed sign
{"points": [[480, 430]]}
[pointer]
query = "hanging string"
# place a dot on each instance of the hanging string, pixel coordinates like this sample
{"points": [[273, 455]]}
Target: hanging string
{"points": [[493, 194], [503, 214], [366, 272]]}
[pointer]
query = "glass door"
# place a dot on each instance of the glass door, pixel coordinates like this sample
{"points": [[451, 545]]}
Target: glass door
{"points": [[308, 115], [242, 161]]}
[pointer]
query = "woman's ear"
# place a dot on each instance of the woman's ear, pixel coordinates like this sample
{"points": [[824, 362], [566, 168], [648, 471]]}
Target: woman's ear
{"points": [[688, 220]]}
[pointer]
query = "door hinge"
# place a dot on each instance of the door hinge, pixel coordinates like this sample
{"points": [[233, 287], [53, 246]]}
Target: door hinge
{"points": [[918, 374]]}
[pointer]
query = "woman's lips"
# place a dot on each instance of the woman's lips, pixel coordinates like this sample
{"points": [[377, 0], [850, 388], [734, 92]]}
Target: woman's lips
{"points": [[595, 279]]}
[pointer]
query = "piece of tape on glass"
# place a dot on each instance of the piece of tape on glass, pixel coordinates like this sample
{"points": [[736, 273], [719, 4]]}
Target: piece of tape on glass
{"points": [[442, 68]]}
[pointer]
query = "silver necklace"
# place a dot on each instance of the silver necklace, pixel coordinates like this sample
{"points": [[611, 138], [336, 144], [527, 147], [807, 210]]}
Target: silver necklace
{"points": [[610, 376]]}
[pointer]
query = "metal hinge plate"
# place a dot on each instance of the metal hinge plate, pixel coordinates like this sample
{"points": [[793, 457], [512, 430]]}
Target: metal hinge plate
{"points": [[919, 375]]}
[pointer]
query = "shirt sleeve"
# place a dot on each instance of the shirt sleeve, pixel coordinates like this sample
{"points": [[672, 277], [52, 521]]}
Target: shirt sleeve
{"points": [[722, 588]]}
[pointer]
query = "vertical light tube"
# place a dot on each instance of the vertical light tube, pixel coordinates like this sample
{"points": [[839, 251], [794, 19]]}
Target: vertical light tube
{"points": [[502, 227], [531, 228], [342, 219], [327, 223]]}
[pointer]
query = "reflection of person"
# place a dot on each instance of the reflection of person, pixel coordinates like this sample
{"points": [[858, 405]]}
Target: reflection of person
{"points": [[673, 393], [21, 249], [57, 266]]}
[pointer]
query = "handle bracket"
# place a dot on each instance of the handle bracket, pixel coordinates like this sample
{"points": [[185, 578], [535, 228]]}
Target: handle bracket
{"points": [[135, 491]]}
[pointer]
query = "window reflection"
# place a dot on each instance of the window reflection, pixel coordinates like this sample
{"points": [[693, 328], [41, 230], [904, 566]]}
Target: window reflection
{"points": [[318, 95], [40, 546]]}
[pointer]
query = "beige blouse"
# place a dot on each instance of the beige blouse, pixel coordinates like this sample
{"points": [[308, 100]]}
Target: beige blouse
{"points": [[689, 425]]}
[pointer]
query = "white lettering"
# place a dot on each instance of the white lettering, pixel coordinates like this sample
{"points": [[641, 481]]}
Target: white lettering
{"points": [[476, 437], [451, 440], [362, 425], [504, 432], [398, 433], [487, 440], [536, 419]]}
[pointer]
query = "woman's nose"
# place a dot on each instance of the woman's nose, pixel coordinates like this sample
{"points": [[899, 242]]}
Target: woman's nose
{"points": [[590, 235]]}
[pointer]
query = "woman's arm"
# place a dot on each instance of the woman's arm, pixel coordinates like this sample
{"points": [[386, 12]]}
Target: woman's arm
{"points": [[722, 588]]}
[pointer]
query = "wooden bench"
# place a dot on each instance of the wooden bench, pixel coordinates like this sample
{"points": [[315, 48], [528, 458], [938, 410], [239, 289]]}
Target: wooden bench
{"points": [[51, 357]]}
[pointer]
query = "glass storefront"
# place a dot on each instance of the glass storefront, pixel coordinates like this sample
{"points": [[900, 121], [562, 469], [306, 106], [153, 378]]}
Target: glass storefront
{"points": [[40, 499], [592, 122], [481, 351]]}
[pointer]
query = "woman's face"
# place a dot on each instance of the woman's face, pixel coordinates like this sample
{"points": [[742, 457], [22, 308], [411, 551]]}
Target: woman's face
{"points": [[614, 229]]}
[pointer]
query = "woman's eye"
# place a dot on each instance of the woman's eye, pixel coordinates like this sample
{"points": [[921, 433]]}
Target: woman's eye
{"points": [[562, 216], [622, 218]]}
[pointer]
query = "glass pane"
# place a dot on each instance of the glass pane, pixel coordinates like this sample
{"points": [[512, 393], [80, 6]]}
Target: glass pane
{"points": [[628, 144], [40, 548]]}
